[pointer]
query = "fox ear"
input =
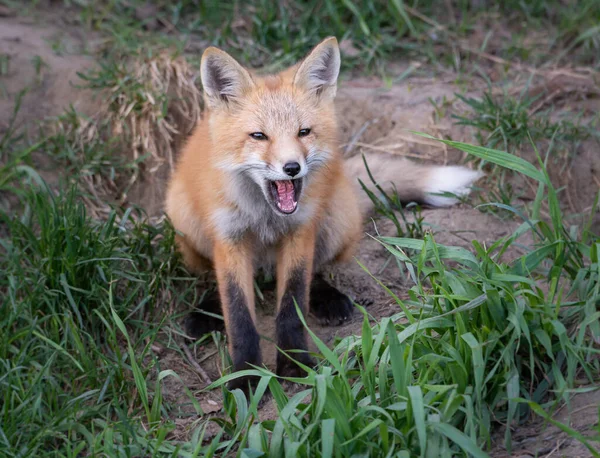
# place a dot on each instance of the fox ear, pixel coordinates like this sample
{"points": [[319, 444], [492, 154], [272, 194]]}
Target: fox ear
{"points": [[223, 79], [319, 71]]}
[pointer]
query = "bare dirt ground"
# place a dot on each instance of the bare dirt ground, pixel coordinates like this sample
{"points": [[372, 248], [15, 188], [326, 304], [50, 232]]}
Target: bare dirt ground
{"points": [[51, 85], [372, 117]]}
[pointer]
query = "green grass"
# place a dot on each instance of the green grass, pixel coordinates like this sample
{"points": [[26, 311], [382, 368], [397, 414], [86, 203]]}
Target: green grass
{"points": [[4, 64], [512, 124], [507, 122], [72, 380], [481, 342], [500, 201], [264, 33], [85, 148], [579, 33]]}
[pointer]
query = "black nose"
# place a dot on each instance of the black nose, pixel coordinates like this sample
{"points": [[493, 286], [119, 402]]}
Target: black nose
{"points": [[292, 168]]}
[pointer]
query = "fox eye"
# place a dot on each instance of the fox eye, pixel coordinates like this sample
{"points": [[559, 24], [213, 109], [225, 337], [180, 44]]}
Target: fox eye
{"points": [[303, 132], [259, 136]]}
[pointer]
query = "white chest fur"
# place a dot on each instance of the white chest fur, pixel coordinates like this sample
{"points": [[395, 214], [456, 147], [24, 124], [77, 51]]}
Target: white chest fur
{"points": [[250, 215]]}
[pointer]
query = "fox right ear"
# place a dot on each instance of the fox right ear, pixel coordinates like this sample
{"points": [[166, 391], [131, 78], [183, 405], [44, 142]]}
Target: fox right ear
{"points": [[223, 79]]}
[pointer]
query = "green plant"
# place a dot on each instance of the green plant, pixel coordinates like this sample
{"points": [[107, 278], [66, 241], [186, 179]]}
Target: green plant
{"points": [[85, 147], [389, 206], [478, 341], [40, 66], [499, 122], [71, 290], [508, 122], [579, 32], [4, 64], [499, 201], [14, 156]]}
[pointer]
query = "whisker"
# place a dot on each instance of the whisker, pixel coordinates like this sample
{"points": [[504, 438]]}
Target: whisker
{"points": [[317, 158], [252, 166]]}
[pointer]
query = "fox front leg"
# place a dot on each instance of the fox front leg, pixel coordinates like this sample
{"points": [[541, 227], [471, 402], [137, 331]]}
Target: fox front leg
{"points": [[233, 265], [294, 273]]}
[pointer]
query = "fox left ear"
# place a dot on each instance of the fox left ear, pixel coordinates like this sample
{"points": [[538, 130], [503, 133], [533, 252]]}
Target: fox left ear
{"points": [[319, 71], [223, 79]]}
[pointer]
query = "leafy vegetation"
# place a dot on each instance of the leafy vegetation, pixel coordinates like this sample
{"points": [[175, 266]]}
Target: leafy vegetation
{"points": [[481, 342], [262, 33], [476, 343], [507, 122], [70, 382]]}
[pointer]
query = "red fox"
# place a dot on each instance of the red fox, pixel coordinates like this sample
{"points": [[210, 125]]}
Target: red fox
{"points": [[261, 183]]}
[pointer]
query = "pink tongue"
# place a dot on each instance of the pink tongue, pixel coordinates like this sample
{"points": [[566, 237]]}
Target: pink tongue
{"points": [[285, 192]]}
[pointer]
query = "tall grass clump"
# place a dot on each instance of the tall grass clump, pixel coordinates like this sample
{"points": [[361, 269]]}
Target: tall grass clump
{"points": [[486, 338], [508, 122], [81, 304]]}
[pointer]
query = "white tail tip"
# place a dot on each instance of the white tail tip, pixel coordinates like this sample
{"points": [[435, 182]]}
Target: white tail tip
{"points": [[453, 180]]}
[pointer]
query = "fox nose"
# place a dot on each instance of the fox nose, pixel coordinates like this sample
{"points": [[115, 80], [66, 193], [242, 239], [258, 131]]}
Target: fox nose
{"points": [[292, 169]]}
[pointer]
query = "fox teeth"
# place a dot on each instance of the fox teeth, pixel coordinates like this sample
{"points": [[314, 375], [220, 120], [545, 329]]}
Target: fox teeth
{"points": [[285, 195]]}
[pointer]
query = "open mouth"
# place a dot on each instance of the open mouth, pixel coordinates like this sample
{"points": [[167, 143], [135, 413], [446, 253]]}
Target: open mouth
{"points": [[285, 194]]}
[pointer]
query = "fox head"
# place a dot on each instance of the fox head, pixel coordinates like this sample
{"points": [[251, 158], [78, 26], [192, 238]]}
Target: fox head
{"points": [[276, 130]]}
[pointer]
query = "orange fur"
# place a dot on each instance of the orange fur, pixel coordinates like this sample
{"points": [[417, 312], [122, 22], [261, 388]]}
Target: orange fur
{"points": [[219, 197], [196, 189]]}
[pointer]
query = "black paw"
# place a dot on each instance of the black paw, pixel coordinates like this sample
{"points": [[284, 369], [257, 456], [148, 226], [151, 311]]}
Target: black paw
{"points": [[288, 368], [198, 323], [365, 301], [327, 304], [246, 384], [249, 382]]}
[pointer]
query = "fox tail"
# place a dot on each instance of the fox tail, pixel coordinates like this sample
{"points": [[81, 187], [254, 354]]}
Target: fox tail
{"points": [[413, 182]]}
